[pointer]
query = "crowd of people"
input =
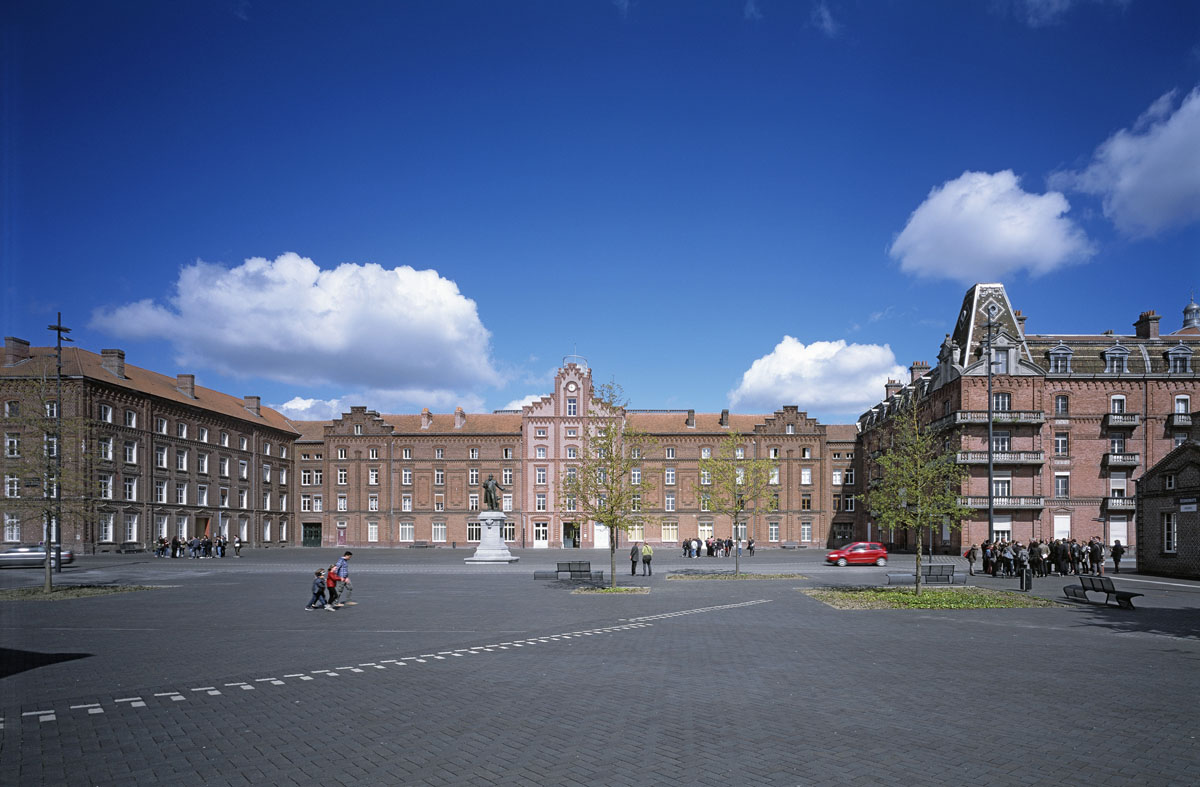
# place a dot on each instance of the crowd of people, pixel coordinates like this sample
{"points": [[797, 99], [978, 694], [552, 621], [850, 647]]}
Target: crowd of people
{"points": [[197, 547], [1060, 557], [714, 547]]}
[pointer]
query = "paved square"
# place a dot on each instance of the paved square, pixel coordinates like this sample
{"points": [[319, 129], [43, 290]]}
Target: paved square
{"points": [[454, 674]]}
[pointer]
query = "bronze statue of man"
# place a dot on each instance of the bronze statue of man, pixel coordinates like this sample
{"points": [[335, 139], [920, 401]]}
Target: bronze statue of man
{"points": [[491, 494]]}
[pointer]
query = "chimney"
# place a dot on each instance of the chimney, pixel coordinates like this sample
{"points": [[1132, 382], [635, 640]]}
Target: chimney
{"points": [[1020, 320], [1147, 325], [186, 383], [460, 418], [253, 404], [917, 370], [15, 350], [892, 388], [691, 419], [426, 418], [113, 361], [724, 418]]}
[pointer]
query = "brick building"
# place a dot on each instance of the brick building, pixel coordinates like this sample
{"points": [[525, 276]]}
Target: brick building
{"points": [[158, 455], [1074, 419], [1168, 524], [396, 480]]}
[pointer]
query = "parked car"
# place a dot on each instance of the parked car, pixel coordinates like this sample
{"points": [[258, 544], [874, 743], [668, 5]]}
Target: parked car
{"points": [[860, 553], [30, 555]]}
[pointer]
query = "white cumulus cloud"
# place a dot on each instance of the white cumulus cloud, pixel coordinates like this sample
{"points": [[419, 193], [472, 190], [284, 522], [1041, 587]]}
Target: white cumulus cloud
{"points": [[1148, 176], [517, 404], [361, 325], [985, 227], [832, 377], [300, 408]]}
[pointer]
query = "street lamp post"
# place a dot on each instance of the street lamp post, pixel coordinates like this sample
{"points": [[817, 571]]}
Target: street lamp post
{"points": [[54, 526]]}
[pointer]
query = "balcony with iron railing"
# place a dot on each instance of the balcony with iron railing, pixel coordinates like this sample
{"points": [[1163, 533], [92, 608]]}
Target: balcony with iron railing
{"points": [[1001, 457], [1121, 459], [968, 417], [1122, 420], [1023, 502]]}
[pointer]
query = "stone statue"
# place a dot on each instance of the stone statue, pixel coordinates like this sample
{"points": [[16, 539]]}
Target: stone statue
{"points": [[491, 494]]}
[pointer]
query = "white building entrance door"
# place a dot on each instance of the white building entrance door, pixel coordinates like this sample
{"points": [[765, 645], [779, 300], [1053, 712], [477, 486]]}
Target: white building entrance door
{"points": [[599, 536], [1118, 529], [1062, 525], [541, 535]]}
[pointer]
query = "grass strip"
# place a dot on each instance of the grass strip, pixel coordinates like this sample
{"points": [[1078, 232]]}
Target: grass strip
{"points": [[68, 592], [930, 598]]}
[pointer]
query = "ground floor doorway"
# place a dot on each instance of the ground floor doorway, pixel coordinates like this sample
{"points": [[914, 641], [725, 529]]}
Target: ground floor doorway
{"points": [[310, 534], [571, 535]]}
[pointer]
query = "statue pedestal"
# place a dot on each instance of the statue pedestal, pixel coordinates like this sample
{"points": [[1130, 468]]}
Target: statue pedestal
{"points": [[492, 548]]}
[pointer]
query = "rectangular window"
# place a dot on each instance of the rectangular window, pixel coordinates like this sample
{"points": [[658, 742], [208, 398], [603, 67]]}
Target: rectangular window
{"points": [[473, 476], [1183, 405], [50, 448], [225, 439], [438, 453], [243, 468], [506, 453], [739, 453], [1169, 481], [223, 467], [181, 459], [202, 434], [372, 502], [1170, 526], [473, 502], [635, 503], [705, 478], [774, 479], [106, 487], [160, 491], [1062, 443], [406, 476], [105, 414], [180, 493], [243, 444], [706, 453], [160, 425], [669, 501], [318, 503], [474, 531], [1116, 443], [540, 432], [439, 477], [306, 502], [704, 530], [160, 456], [572, 452], [806, 502], [806, 531], [343, 476], [1001, 441], [407, 531], [837, 477], [52, 409], [670, 532], [635, 476], [540, 452], [1001, 402], [849, 502], [242, 498], [131, 527], [373, 453], [473, 453], [342, 503], [506, 475], [131, 419], [283, 503], [772, 531], [848, 476], [266, 501], [539, 475], [1116, 405], [439, 502], [406, 503], [106, 528], [105, 446], [202, 463], [506, 503], [670, 453], [1002, 487], [407, 453], [572, 406], [181, 430], [267, 473], [201, 495], [372, 532], [806, 476], [160, 527], [439, 532], [669, 476], [12, 444], [806, 453], [773, 453], [637, 532], [705, 502], [539, 502]]}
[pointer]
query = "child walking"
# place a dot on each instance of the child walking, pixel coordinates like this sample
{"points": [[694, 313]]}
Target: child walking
{"points": [[318, 593]]}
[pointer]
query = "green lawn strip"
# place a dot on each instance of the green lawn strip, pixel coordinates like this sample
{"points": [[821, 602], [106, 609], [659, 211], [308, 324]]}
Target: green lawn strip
{"points": [[608, 591], [67, 592], [736, 576], [930, 598]]}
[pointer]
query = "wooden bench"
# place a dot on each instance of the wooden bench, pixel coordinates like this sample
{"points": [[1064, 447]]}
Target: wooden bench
{"points": [[1104, 585], [574, 569], [931, 574], [420, 545]]}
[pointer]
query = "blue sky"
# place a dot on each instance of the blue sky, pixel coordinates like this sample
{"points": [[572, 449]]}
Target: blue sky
{"points": [[719, 203]]}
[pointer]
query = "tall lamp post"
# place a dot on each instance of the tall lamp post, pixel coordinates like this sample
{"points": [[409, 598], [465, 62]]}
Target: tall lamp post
{"points": [[54, 526], [990, 324]]}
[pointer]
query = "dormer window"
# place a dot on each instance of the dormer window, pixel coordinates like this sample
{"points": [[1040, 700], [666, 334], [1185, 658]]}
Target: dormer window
{"points": [[1060, 359], [1116, 360], [1179, 359]]}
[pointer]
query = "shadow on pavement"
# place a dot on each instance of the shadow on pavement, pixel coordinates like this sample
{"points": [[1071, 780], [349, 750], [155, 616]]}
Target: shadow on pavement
{"points": [[1183, 623], [16, 661]]}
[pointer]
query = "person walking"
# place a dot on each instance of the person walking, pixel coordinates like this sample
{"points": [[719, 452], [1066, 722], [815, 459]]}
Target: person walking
{"points": [[972, 557], [318, 593], [237, 546], [647, 556], [331, 582], [750, 547], [1097, 550], [345, 588], [1117, 553], [635, 554]]}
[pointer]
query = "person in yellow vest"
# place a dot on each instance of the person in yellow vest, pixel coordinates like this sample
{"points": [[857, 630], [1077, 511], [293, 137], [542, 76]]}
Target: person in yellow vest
{"points": [[647, 556]]}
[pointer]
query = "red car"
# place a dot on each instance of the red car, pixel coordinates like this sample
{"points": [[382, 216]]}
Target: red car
{"points": [[860, 553]]}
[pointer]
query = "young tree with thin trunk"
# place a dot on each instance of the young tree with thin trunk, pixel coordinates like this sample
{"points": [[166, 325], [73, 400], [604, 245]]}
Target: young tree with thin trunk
{"points": [[44, 464], [734, 483], [601, 485], [921, 482]]}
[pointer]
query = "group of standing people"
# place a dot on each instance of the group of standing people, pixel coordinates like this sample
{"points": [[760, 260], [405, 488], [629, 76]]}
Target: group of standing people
{"points": [[331, 588], [1060, 556], [713, 547], [197, 546], [643, 553]]}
